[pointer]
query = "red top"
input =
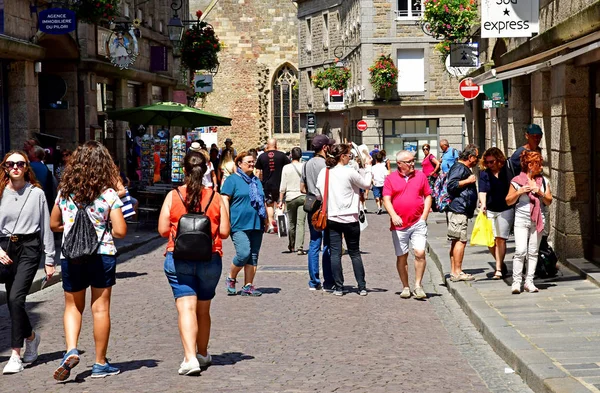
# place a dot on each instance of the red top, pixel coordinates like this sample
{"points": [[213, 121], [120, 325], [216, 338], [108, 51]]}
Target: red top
{"points": [[408, 196], [213, 212], [427, 165]]}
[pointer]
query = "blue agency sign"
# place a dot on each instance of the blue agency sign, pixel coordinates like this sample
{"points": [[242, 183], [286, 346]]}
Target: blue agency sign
{"points": [[57, 21]]}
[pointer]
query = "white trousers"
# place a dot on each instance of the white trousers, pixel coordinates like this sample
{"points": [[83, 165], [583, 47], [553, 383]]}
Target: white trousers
{"points": [[527, 244]]}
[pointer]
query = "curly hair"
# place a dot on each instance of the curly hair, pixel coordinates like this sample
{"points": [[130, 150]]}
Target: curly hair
{"points": [[528, 157], [195, 167], [29, 174], [492, 152], [90, 171], [335, 154]]}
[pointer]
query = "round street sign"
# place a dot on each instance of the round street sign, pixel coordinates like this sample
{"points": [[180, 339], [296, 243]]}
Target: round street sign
{"points": [[468, 89], [362, 125]]}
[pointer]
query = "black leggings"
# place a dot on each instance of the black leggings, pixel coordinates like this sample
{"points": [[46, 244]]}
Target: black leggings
{"points": [[26, 256]]}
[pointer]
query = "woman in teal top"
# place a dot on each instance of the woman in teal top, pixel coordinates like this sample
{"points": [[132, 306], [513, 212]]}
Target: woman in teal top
{"points": [[243, 195]]}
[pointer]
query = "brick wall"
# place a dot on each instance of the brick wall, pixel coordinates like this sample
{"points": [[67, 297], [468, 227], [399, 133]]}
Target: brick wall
{"points": [[259, 37]]}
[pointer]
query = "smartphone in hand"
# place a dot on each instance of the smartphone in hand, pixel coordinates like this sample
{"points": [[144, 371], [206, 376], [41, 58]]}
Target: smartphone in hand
{"points": [[44, 282]]}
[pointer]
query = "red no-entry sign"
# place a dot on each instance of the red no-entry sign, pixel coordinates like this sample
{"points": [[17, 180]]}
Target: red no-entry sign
{"points": [[468, 89], [361, 125]]}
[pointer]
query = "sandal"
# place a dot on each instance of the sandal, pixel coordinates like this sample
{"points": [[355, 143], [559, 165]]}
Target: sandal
{"points": [[464, 277], [497, 275]]}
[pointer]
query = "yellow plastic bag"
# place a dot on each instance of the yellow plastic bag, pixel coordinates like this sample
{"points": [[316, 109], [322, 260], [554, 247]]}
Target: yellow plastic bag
{"points": [[483, 234]]}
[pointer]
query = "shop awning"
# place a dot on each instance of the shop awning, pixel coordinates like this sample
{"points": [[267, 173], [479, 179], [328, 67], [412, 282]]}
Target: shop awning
{"points": [[541, 61]]}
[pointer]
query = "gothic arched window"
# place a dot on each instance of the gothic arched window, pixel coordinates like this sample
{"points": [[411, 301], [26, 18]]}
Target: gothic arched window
{"points": [[285, 101]]}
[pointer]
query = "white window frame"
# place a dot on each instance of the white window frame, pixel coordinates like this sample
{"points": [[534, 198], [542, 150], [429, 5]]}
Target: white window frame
{"points": [[410, 13], [411, 75]]}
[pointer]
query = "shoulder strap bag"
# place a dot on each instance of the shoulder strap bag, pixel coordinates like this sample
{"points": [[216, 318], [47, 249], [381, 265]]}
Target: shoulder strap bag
{"points": [[319, 218]]}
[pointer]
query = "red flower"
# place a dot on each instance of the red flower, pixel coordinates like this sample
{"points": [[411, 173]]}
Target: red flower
{"points": [[198, 14]]}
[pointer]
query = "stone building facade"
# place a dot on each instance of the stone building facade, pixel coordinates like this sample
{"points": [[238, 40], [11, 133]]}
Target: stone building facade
{"points": [[553, 80], [426, 106], [58, 88], [256, 84]]}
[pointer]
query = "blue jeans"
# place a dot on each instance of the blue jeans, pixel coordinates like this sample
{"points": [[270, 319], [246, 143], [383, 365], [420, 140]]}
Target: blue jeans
{"points": [[316, 237], [247, 245]]}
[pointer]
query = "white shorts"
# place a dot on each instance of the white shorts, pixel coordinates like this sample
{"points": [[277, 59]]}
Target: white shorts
{"points": [[416, 234], [502, 222]]}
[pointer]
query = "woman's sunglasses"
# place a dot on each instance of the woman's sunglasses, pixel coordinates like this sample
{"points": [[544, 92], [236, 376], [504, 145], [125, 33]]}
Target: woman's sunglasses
{"points": [[11, 164]]}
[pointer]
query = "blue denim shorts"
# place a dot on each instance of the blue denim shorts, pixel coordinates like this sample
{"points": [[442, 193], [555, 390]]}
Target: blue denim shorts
{"points": [[193, 278], [98, 273], [377, 192]]}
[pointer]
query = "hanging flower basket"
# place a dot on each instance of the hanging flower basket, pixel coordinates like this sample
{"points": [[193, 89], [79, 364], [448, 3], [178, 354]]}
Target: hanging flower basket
{"points": [[450, 21], [384, 77], [199, 47], [94, 11], [333, 77]]}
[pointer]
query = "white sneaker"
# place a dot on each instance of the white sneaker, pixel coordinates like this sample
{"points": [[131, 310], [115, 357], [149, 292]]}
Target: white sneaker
{"points": [[31, 349], [13, 366], [516, 288], [530, 287], [190, 368], [204, 361], [405, 294]]}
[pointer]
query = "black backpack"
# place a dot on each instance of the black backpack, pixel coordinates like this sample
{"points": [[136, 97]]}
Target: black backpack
{"points": [[547, 259], [194, 237], [81, 243]]}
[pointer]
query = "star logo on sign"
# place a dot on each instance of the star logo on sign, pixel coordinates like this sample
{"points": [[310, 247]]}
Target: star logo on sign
{"points": [[506, 12]]}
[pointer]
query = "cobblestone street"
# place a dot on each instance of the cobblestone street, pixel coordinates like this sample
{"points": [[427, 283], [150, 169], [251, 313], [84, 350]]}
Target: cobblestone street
{"points": [[289, 340]]}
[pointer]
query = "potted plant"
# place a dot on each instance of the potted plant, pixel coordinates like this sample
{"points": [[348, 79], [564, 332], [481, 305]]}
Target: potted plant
{"points": [[384, 76], [335, 78], [199, 47], [449, 21], [94, 11]]}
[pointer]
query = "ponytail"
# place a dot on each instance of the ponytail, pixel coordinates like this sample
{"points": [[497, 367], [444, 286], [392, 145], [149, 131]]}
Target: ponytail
{"points": [[195, 167]]}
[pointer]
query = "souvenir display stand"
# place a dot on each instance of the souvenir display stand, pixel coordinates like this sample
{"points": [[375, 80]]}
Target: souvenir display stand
{"points": [[178, 149], [147, 159]]}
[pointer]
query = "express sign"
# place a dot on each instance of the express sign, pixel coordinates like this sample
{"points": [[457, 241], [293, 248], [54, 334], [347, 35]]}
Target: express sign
{"points": [[509, 18], [468, 89]]}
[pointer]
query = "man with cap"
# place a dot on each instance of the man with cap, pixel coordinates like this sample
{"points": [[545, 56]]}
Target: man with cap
{"points": [[308, 185], [533, 134], [228, 144]]}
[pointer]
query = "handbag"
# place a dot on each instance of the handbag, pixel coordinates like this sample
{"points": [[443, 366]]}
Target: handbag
{"points": [[311, 203], [319, 218], [8, 271]]}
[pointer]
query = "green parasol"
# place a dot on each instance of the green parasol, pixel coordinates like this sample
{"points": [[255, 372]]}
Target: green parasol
{"points": [[169, 114]]}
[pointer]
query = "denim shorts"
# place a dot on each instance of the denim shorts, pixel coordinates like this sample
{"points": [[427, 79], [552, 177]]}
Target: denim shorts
{"points": [[97, 273], [377, 192], [193, 278]]}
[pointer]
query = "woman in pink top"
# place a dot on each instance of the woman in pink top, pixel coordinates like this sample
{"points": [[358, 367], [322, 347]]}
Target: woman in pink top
{"points": [[430, 164]]}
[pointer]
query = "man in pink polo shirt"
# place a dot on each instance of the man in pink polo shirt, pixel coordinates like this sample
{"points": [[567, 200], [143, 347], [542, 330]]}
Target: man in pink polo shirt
{"points": [[407, 199]]}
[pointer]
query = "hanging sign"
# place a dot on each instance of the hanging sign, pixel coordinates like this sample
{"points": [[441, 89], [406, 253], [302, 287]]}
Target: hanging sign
{"points": [[311, 123], [57, 21], [464, 55], [122, 48], [495, 92], [509, 18], [203, 83]]}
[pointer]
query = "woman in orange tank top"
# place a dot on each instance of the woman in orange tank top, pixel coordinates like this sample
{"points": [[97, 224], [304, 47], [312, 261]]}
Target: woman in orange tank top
{"points": [[193, 282]]}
